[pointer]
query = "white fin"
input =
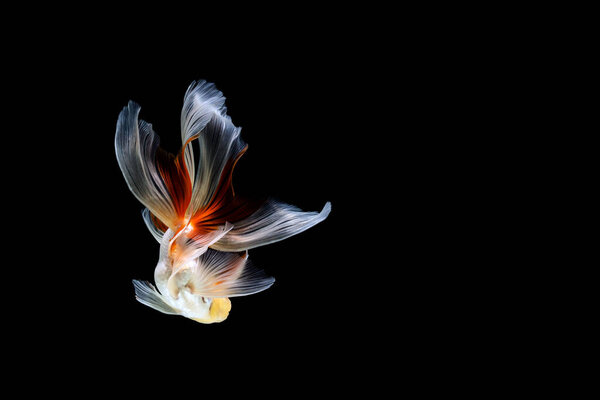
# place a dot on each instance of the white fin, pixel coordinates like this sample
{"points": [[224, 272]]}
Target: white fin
{"points": [[191, 246], [218, 274], [219, 143], [202, 100], [136, 145], [274, 221], [156, 233], [147, 294]]}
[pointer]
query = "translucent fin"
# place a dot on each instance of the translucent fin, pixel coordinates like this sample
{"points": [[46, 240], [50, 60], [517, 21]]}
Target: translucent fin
{"points": [[147, 294], [156, 233], [218, 274], [273, 222], [157, 185], [201, 101], [204, 117], [192, 242], [220, 146]]}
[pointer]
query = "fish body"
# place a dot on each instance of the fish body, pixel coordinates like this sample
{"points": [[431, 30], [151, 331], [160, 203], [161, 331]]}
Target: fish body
{"points": [[203, 228]]}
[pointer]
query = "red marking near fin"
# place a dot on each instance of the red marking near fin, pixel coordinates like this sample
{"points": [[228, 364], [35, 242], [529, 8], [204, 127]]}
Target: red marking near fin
{"points": [[176, 178], [225, 206]]}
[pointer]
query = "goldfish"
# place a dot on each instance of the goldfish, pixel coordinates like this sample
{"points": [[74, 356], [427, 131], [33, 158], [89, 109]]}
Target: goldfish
{"points": [[204, 229]]}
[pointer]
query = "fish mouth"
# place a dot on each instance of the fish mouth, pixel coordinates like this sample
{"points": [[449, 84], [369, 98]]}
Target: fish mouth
{"points": [[219, 311]]}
